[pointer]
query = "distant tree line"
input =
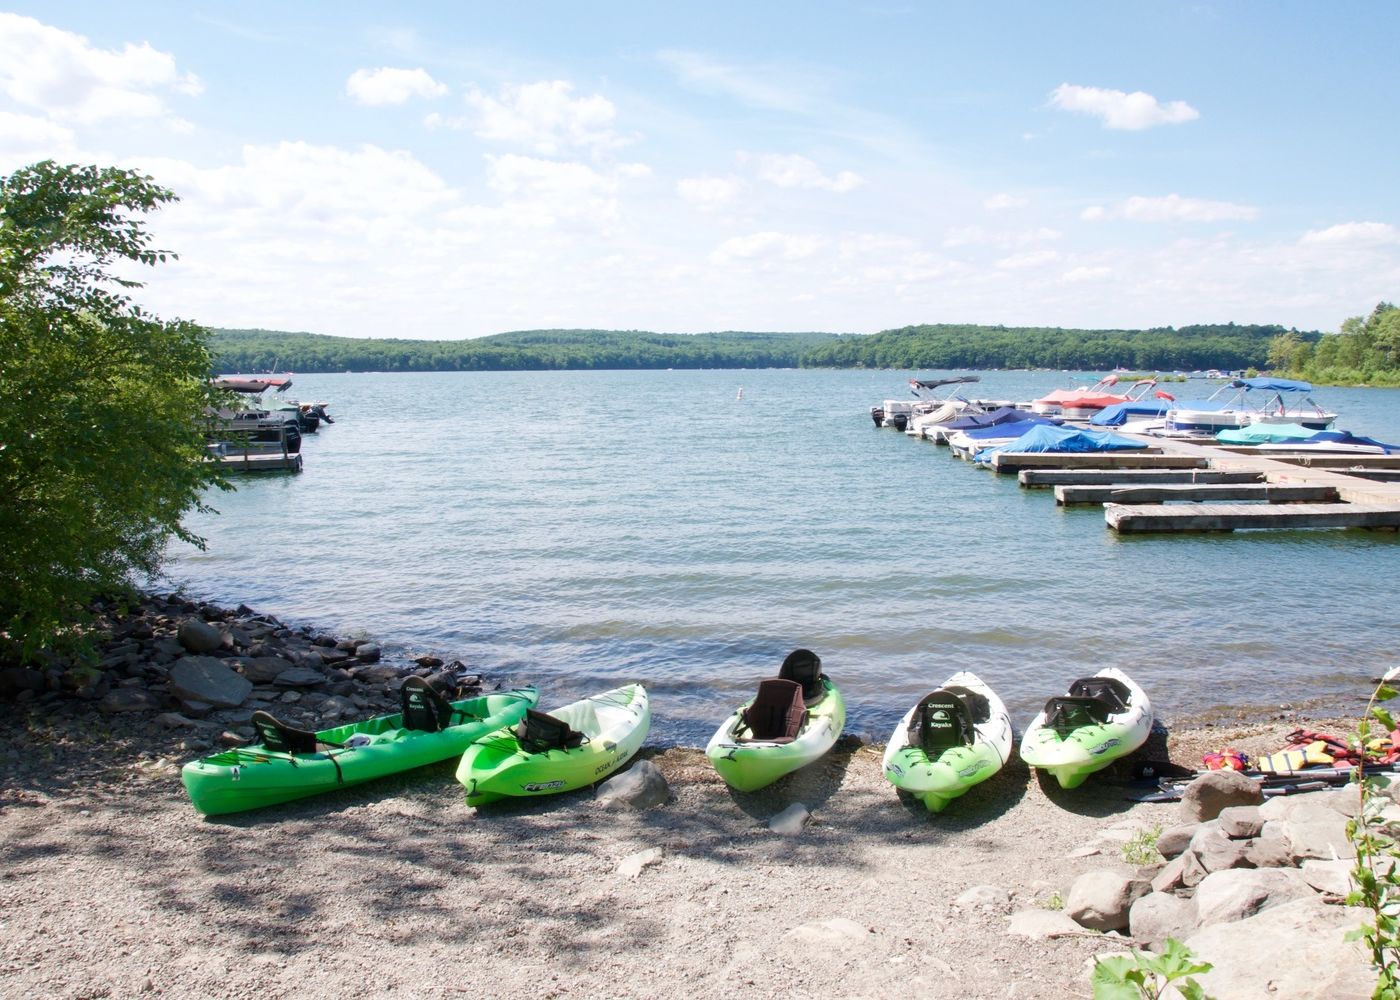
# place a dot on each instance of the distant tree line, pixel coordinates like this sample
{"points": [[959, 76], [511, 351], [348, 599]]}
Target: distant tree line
{"points": [[946, 346], [1366, 351]]}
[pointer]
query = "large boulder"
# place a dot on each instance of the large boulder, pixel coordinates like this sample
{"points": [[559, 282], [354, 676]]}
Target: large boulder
{"points": [[1240, 822], [1237, 893], [206, 679], [1160, 915], [128, 700], [641, 786], [199, 636], [1214, 791], [264, 669], [1297, 950], [299, 677], [1100, 900], [1216, 852]]}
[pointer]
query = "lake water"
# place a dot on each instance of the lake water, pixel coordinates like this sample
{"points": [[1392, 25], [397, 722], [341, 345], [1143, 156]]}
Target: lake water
{"points": [[581, 530]]}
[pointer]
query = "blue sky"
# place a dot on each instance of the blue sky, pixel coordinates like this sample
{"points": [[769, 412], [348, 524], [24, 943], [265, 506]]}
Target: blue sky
{"points": [[454, 170]]}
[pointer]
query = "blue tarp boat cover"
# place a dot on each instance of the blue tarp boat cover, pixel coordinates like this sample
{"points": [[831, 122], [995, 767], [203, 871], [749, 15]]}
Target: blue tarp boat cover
{"points": [[1118, 413], [1272, 384], [1049, 438], [1296, 434], [1013, 428], [1001, 415]]}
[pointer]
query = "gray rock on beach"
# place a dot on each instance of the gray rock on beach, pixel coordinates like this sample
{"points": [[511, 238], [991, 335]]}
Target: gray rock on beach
{"points": [[1160, 915], [1041, 924], [264, 669], [206, 679], [790, 821], [1214, 791], [1238, 893], [1100, 900], [199, 636], [641, 786]]}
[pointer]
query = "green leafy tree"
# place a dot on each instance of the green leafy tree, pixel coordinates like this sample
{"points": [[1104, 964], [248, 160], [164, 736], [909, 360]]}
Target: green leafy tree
{"points": [[100, 436]]}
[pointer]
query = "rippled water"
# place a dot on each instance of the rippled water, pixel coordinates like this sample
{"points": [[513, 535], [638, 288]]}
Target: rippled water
{"points": [[584, 529]]}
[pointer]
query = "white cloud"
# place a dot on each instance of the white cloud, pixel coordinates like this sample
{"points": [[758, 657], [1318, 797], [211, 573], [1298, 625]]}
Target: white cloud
{"points": [[1042, 235], [62, 75], [1083, 274], [1120, 110], [961, 236], [761, 88], [1171, 208], [1033, 258], [386, 85], [799, 172], [24, 139], [543, 117], [1001, 202], [767, 246], [709, 192], [1353, 234]]}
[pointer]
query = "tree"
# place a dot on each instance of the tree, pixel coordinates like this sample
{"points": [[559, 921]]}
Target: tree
{"points": [[101, 443]]}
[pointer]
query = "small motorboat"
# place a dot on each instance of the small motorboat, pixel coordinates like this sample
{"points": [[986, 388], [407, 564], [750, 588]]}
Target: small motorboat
{"points": [[1244, 401], [1082, 404], [793, 720], [954, 738]]}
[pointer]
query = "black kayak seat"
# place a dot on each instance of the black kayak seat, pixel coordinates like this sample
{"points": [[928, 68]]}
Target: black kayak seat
{"points": [[776, 714], [976, 702], [942, 720], [279, 737], [424, 707], [1066, 712], [540, 732], [1109, 690], [805, 667]]}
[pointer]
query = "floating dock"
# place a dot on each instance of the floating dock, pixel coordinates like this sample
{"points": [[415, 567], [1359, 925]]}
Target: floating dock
{"points": [[252, 462]]}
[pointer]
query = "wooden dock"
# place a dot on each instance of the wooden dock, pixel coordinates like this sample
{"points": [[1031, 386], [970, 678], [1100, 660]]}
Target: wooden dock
{"points": [[1128, 518], [253, 462], [1067, 496], [1099, 477]]}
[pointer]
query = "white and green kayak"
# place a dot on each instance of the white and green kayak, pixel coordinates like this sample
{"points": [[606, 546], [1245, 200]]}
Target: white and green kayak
{"points": [[952, 739], [1102, 718], [571, 747], [794, 719]]}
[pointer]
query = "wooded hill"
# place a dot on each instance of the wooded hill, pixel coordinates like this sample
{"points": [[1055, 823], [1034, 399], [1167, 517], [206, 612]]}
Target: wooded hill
{"points": [[1226, 346]]}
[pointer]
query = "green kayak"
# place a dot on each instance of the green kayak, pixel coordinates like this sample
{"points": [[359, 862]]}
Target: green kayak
{"points": [[292, 764], [1102, 719], [794, 719], [571, 747]]}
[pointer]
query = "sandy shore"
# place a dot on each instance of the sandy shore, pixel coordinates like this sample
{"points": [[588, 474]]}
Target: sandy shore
{"points": [[112, 886]]}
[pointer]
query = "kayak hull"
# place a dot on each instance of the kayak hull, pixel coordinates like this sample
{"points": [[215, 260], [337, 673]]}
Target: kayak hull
{"points": [[938, 780], [748, 765], [616, 723], [255, 777], [1071, 756]]}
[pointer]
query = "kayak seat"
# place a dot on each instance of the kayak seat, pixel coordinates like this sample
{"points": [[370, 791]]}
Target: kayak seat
{"points": [[1107, 689], [776, 714], [424, 707], [540, 732], [976, 703], [1064, 712], [279, 737], [805, 667], [942, 720]]}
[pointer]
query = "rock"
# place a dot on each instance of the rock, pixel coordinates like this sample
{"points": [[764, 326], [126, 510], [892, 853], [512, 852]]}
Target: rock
{"points": [[194, 708], [632, 865], [1321, 838], [289, 697], [367, 652], [1159, 915], [1216, 852], [1270, 852], [199, 637], [1041, 924], [988, 898], [128, 699], [1084, 851], [228, 739], [375, 675], [1173, 841], [203, 678], [336, 707], [836, 934], [1295, 950], [1241, 822], [427, 661], [641, 786], [173, 720], [1242, 892], [1213, 791], [1332, 877], [1100, 900], [264, 669], [348, 645], [20, 679], [299, 677], [1181, 872], [790, 821]]}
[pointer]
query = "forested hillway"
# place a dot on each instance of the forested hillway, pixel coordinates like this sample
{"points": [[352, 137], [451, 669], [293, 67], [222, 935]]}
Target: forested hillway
{"points": [[1226, 346]]}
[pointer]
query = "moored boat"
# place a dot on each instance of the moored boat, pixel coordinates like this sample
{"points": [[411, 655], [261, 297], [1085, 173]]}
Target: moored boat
{"points": [[1082, 404], [952, 739]]}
